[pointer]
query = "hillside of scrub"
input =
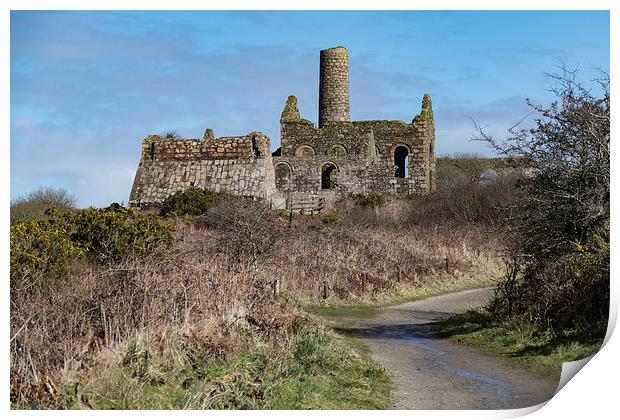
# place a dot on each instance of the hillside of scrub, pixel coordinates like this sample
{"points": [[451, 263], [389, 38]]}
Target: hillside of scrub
{"points": [[112, 308]]}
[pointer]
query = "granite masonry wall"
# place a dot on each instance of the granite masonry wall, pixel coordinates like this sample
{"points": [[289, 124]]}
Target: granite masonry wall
{"points": [[240, 165], [354, 157], [314, 165]]}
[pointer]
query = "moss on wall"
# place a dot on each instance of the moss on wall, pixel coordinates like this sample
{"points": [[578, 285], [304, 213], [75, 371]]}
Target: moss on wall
{"points": [[290, 112]]}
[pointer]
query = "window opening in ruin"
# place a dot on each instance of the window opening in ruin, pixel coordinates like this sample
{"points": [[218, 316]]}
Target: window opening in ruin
{"points": [[337, 150], [328, 176], [152, 151], [304, 150], [401, 160], [283, 176], [255, 148]]}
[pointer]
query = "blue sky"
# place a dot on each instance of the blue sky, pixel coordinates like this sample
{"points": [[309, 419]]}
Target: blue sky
{"points": [[87, 87]]}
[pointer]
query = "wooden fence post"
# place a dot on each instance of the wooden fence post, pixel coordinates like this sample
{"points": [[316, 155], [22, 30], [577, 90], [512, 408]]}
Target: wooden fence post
{"points": [[276, 288], [324, 289]]}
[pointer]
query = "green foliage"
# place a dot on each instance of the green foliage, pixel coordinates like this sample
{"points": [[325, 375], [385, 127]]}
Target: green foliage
{"points": [[313, 369], [43, 250], [208, 134], [330, 218], [369, 200], [519, 341], [39, 251], [108, 235], [190, 202], [290, 113], [34, 205]]}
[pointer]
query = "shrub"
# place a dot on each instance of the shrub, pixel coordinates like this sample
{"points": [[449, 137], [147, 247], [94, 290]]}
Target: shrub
{"points": [[39, 251], [33, 205], [44, 249], [330, 218], [171, 135], [369, 200], [190, 202], [559, 272], [108, 235], [250, 230]]}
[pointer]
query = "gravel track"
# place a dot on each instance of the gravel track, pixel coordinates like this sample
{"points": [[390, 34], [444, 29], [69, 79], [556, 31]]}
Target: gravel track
{"points": [[434, 373]]}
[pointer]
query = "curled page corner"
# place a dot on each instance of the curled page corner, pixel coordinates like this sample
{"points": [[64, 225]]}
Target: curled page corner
{"points": [[570, 369]]}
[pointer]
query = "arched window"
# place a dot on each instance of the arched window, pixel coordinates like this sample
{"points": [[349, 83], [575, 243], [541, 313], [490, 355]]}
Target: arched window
{"points": [[283, 176], [337, 150], [329, 175], [401, 160], [304, 150]]}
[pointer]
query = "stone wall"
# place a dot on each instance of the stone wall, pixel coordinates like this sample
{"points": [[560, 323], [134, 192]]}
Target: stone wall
{"points": [[314, 165], [240, 165], [360, 153]]}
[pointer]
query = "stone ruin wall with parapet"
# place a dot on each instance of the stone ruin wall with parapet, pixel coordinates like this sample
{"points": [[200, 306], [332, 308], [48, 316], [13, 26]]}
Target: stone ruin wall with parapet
{"points": [[356, 157], [362, 152], [239, 165]]}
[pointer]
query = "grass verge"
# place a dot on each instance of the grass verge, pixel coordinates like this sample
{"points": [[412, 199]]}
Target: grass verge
{"points": [[541, 355], [315, 369], [369, 307]]}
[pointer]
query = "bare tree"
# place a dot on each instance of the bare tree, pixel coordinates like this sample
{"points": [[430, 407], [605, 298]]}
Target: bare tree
{"points": [[562, 224], [249, 230]]}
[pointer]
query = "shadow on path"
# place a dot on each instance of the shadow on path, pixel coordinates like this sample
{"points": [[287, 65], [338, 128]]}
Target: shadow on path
{"points": [[431, 372]]}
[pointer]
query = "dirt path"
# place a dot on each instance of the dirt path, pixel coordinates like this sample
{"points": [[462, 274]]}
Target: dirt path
{"points": [[434, 373]]}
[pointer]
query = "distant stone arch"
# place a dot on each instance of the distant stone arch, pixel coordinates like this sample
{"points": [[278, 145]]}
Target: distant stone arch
{"points": [[337, 150], [305, 150], [329, 176], [284, 174], [401, 160]]}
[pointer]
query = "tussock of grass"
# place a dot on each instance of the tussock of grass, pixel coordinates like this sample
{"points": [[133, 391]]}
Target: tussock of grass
{"points": [[315, 369], [519, 342]]}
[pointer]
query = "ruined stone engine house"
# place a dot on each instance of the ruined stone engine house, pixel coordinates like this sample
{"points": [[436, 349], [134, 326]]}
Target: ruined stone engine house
{"points": [[313, 166]]}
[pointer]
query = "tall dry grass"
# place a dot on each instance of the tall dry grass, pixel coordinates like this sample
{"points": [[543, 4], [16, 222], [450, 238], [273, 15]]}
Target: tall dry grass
{"points": [[377, 258], [215, 285], [192, 294]]}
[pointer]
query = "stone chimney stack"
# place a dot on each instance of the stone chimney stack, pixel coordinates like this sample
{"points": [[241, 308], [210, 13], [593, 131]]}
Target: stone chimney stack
{"points": [[334, 86]]}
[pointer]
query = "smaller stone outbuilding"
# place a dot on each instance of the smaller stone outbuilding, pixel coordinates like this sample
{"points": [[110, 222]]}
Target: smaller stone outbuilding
{"points": [[240, 165]]}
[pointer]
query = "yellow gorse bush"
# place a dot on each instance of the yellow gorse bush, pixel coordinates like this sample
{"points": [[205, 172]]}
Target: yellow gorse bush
{"points": [[45, 249]]}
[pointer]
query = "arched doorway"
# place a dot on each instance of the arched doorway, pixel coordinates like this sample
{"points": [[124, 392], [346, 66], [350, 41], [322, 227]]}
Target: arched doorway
{"points": [[401, 160], [283, 176], [329, 174]]}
